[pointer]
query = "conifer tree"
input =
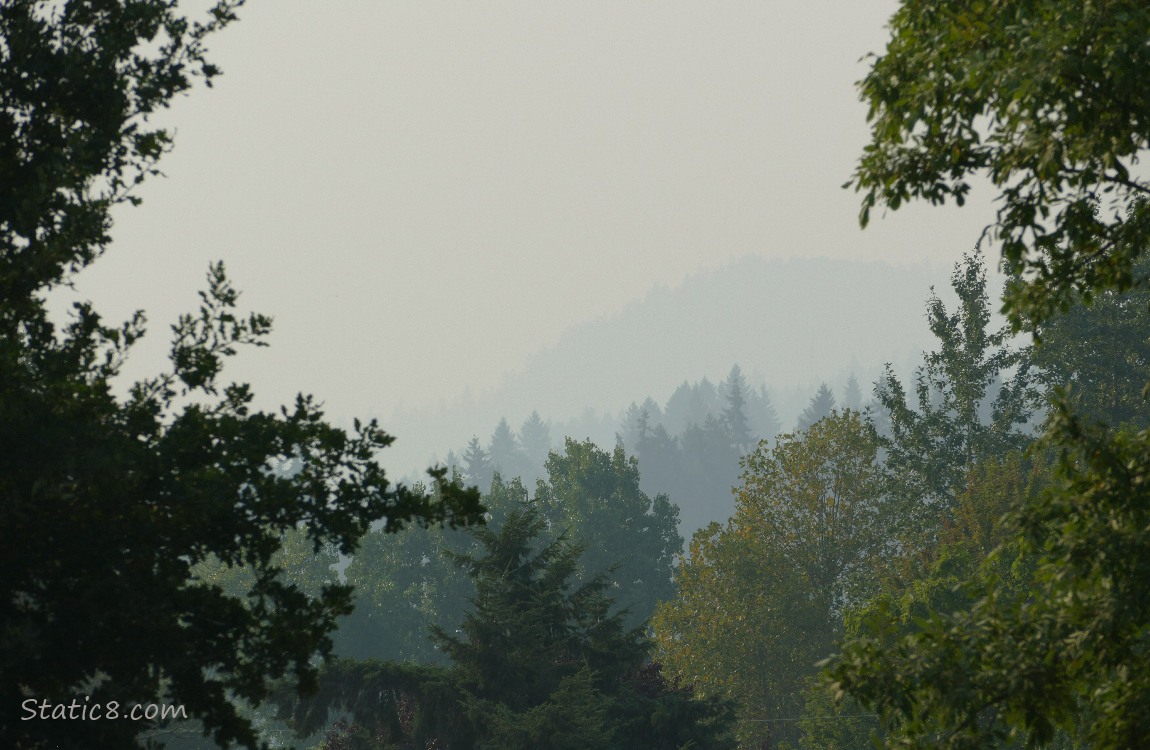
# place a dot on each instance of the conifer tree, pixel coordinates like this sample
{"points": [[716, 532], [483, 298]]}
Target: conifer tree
{"points": [[503, 451], [477, 465], [735, 412], [535, 439], [821, 405], [763, 416], [677, 416], [852, 394], [539, 661]]}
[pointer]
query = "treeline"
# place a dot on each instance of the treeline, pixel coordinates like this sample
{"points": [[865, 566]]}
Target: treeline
{"points": [[688, 449], [819, 529], [852, 527]]}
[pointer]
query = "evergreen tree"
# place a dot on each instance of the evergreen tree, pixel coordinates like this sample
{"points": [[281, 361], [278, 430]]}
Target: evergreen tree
{"points": [[539, 661], [661, 463], [763, 417], [709, 469], [708, 402], [503, 451], [735, 412], [852, 394], [821, 405], [452, 463], [477, 465], [407, 584], [634, 425], [680, 411], [535, 439]]}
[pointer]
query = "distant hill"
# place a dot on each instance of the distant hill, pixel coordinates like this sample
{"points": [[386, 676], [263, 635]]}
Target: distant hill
{"points": [[788, 323]]}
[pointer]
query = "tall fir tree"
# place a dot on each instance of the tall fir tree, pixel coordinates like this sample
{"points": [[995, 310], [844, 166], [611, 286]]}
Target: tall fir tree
{"points": [[821, 405], [735, 412], [477, 465], [761, 411], [540, 660], [535, 439], [852, 394], [503, 451]]}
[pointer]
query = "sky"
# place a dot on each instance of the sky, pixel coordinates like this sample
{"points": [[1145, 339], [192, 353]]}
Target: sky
{"points": [[425, 194]]}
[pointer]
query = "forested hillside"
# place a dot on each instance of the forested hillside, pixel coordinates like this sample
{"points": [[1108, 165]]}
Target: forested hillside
{"points": [[755, 312]]}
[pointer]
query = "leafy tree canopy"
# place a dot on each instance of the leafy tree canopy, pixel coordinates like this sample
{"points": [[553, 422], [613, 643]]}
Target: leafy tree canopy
{"points": [[1046, 100], [761, 600], [1101, 351], [595, 497], [113, 506]]}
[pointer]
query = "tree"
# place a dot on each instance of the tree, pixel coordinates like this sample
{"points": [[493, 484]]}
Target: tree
{"points": [[1044, 100], [821, 405], [763, 415], [406, 584], [112, 505], [1101, 352], [708, 470], [539, 661], [78, 85], [761, 600], [975, 548], [973, 397], [477, 465], [852, 394], [682, 409], [504, 452], [735, 412], [535, 437], [630, 537], [919, 652]]}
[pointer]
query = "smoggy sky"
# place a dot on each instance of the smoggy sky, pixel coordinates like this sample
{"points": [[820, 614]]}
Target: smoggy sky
{"points": [[424, 193]]}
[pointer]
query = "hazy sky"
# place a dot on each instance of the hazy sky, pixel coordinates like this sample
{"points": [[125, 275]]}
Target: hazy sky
{"points": [[424, 193]]}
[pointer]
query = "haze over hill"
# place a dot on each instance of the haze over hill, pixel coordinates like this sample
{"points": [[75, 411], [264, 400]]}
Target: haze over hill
{"points": [[789, 323]]}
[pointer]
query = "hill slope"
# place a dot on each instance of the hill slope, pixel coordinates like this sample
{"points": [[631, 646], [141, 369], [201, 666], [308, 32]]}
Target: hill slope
{"points": [[789, 323]]}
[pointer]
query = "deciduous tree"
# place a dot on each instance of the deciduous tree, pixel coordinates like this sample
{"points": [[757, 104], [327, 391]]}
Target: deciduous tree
{"points": [[1043, 98], [629, 536], [973, 398], [109, 504], [761, 600]]}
